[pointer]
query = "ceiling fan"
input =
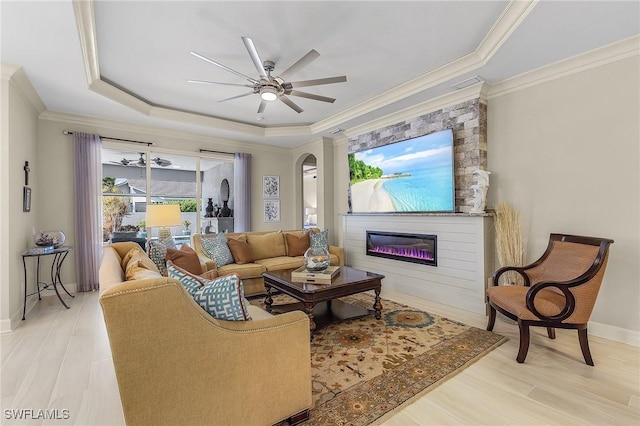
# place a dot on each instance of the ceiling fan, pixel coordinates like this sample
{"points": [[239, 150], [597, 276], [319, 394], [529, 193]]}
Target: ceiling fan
{"points": [[140, 162], [272, 88]]}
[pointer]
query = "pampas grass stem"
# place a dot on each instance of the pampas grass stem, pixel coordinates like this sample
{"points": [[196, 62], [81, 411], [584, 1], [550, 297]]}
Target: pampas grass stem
{"points": [[510, 240]]}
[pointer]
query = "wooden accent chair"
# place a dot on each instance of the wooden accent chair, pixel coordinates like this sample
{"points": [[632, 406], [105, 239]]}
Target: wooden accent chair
{"points": [[559, 291]]}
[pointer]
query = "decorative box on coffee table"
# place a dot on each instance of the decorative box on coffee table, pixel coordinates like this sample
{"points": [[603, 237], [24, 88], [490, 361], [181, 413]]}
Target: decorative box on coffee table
{"points": [[302, 275]]}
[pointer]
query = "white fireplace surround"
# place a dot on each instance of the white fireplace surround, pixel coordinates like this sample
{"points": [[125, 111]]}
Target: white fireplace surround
{"points": [[465, 256]]}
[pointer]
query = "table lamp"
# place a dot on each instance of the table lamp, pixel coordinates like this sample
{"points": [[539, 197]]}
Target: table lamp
{"points": [[163, 216]]}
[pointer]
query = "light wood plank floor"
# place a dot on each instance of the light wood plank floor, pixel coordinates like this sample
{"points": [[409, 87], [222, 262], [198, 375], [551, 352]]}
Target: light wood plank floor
{"points": [[59, 359]]}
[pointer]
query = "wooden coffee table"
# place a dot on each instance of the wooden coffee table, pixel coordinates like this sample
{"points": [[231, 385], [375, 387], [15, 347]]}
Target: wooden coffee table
{"points": [[348, 281]]}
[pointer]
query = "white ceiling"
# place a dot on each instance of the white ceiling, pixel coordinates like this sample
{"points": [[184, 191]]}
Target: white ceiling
{"points": [[136, 60]]}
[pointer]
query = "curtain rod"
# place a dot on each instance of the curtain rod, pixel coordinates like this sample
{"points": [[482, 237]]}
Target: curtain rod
{"points": [[217, 152], [67, 132]]}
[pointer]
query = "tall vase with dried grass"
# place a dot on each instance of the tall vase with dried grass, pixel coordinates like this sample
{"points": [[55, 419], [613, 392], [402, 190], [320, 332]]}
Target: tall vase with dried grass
{"points": [[510, 240]]}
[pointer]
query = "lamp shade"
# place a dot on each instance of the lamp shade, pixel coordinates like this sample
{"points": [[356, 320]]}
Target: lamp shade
{"points": [[163, 215], [309, 210]]}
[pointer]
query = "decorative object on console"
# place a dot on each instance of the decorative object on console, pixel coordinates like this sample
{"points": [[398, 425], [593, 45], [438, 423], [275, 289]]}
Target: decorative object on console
{"points": [[225, 211], [186, 230], [316, 259], [480, 191], [209, 208], [163, 216], [49, 238]]}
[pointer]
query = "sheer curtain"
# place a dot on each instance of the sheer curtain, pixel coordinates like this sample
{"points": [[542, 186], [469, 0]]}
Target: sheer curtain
{"points": [[242, 192], [88, 209]]}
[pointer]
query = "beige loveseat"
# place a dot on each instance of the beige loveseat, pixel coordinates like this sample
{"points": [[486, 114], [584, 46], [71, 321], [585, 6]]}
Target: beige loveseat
{"points": [[177, 365], [271, 252]]}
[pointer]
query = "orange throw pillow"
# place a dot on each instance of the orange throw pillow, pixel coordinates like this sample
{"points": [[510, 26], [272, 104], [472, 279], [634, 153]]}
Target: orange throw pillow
{"points": [[186, 258], [240, 251], [297, 245]]}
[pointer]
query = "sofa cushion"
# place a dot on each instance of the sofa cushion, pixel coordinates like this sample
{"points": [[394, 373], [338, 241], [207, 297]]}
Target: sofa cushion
{"points": [[190, 282], [241, 251], [185, 258], [249, 270], [134, 251], [216, 248], [281, 262], [224, 299], [297, 244], [139, 266], [258, 314], [111, 271], [266, 245], [319, 239]]}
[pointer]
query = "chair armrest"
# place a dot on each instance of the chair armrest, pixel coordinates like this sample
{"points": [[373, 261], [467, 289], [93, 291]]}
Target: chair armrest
{"points": [[519, 269], [175, 364], [206, 263], [339, 252], [569, 298]]}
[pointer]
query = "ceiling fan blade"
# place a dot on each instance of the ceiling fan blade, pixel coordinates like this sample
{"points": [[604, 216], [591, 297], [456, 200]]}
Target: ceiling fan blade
{"points": [[248, 43], [263, 105], [224, 67], [218, 82], [317, 82], [310, 96], [290, 104], [300, 64], [236, 97]]}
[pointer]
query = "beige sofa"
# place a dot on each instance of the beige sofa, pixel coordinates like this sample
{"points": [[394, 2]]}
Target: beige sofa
{"points": [[263, 243], [176, 364]]}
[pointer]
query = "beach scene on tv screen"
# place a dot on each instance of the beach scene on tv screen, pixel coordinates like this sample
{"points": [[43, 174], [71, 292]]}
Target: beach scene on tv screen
{"points": [[414, 175]]}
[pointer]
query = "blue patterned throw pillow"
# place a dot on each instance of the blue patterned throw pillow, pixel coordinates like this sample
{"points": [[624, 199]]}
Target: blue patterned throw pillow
{"points": [[157, 251], [224, 298], [188, 281], [319, 239], [217, 249]]}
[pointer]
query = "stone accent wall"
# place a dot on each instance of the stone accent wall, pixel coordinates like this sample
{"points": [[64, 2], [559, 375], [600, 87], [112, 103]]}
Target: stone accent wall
{"points": [[469, 123]]}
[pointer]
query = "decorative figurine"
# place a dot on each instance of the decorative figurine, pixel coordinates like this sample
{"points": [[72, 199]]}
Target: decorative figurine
{"points": [[480, 191]]}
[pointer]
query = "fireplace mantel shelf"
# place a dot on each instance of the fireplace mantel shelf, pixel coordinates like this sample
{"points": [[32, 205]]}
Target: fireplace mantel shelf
{"points": [[489, 213]]}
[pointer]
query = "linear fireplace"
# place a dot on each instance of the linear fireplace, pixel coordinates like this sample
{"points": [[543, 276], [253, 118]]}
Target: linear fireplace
{"points": [[415, 248]]}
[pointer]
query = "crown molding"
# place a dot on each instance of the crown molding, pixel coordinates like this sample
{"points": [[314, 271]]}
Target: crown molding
{"points": [[604, 55], [515, 12], [477, 90], [16, 77]]}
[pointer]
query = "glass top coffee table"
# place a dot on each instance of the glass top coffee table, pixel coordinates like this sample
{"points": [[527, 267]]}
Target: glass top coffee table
{"points": [[347, 282]]}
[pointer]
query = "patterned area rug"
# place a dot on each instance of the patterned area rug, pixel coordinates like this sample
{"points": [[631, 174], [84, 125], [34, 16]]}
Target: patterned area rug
{"points": [[363, 370]]}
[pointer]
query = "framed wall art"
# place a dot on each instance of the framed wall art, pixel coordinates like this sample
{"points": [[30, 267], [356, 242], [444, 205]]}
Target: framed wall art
{"points": [[272, 210], [271, 186]]}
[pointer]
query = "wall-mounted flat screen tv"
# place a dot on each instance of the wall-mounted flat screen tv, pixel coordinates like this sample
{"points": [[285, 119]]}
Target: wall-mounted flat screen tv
{"points": [[414, 175]]}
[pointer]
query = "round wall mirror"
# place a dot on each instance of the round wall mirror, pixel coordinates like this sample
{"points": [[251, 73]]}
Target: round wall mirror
{"points": [[224, 190]]}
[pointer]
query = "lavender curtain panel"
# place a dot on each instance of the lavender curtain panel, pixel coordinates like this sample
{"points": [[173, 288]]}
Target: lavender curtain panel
{"points": [[242, 192], [87, 209]]}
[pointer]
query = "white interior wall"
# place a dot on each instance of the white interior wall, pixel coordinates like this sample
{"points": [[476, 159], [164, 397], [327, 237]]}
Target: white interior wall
{"points": [[566, 153], [18, 144]]}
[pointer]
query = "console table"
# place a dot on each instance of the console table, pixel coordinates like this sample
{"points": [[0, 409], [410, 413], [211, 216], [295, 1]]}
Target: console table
{"points": [[59, 255]]}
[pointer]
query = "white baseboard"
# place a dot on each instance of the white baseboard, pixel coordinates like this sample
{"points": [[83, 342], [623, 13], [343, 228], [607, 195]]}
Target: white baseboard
{"points": [[622, 335], [8, 325]]}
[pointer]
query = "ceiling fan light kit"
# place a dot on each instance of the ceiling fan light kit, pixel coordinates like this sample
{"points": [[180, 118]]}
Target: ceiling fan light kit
{"points": [[273, 88]]}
